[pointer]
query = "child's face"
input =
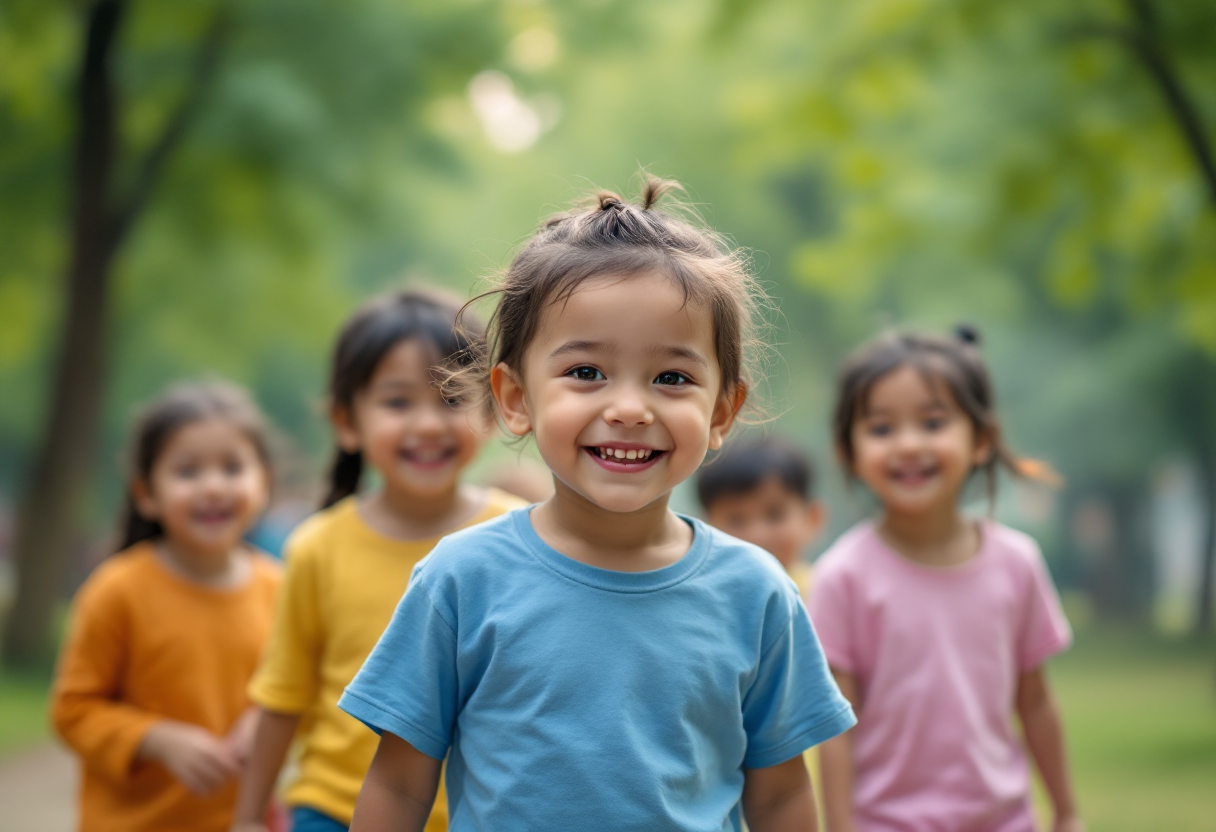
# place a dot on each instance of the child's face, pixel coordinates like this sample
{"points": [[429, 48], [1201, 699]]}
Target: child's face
{"points": [[770, 516], [415, 440], [914, 447], [206, 488], [622, 390]]}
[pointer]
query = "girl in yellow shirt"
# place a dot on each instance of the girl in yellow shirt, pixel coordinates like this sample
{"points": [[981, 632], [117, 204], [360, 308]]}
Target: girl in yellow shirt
{"points": [[348, 566], [150, 689]]}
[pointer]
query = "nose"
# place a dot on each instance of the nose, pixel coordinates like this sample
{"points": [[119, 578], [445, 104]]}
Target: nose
{"points": [[629, 407], [431, 421], [908, 439]]}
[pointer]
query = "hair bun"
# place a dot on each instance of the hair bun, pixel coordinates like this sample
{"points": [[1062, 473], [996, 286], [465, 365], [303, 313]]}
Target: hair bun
{"points": [[608, 200], [967, 333]]}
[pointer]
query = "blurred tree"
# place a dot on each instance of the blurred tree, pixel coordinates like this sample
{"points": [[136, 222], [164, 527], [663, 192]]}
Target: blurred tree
{"points": [[284, 132], [1057, 151]]}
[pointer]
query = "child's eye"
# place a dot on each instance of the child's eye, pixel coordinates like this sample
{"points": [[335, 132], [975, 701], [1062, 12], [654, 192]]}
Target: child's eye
{"points": [[671, 377], [397, 403], [935, 423], [878, 430], [586, 374], [234, 468]]}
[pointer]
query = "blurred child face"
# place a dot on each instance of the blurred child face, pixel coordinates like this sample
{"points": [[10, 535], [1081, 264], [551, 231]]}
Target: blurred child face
{"points": [[770, 516], [914, 447], [206, 488], [622, 390], [405, 429]]}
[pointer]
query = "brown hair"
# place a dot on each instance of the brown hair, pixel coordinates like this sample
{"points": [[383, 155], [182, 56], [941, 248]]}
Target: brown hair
{"points": [[177, 407], [955, 362], [371, 333], [613, 237]]}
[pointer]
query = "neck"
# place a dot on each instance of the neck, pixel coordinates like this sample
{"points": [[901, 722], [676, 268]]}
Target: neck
{"points": [[207, 566], [395, 513], [649, 538], [935, 538], [923, 529]]}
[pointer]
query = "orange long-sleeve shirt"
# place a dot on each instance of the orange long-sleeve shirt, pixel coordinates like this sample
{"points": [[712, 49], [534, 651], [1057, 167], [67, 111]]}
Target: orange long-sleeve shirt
{"points": [[147, 645]]}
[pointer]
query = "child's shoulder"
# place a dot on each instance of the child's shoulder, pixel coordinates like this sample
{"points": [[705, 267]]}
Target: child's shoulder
{"points": [[124, 574], [742, 560], [1011, 548], [320, 530], [478, 546], [848, 553]]}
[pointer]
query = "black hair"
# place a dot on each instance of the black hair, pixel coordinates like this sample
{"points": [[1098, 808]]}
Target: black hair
{"points": [[369, 335], [177, 407], [745, 465], [955, 362], [610, 236]]}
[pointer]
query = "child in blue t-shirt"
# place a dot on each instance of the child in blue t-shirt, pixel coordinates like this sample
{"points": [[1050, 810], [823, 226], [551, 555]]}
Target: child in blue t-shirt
{"points": [[598, 661]]}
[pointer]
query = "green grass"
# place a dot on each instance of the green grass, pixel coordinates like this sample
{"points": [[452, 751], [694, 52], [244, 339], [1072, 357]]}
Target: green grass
{"points": [[1140, 715], [23, 718]]}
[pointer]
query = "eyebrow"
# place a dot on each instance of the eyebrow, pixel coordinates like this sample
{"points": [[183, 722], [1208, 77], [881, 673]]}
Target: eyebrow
{"points": [[672, 351], [398, 385], [682, 352]]}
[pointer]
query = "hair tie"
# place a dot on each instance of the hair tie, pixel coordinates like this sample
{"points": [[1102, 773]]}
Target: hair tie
{"points": [[967, 333]]}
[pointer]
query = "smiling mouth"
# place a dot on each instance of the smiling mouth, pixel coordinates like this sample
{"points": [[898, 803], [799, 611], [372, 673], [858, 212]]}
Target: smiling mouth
{"points": [[213, 517], [430, 457], [914, 476], [624, 459]]}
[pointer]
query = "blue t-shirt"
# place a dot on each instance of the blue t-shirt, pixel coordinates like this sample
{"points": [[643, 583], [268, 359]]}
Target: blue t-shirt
{"points": [[572, 697]]}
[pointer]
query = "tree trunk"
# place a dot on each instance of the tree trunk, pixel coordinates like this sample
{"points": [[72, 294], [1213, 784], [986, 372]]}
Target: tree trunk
{"points": [[1207, 570], [48, 514]]}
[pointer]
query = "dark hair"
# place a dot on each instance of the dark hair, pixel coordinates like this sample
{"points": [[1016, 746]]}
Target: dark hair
{"points": [[369, 335], [156, 424], [612, 237], [955, 362], [744, 466]]}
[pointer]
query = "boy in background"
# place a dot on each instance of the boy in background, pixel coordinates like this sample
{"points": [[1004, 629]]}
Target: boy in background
{"points": [[761, 490]]}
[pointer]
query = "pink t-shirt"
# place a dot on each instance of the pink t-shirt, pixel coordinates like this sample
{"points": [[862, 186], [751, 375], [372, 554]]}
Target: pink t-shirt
{"points": [[937, 652]]}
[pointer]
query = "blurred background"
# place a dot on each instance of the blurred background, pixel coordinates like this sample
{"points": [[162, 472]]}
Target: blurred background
{"points": [[207, 188]]}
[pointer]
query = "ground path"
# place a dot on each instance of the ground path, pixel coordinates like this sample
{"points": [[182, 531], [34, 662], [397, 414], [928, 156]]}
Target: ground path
{"points": [[38, 790]]}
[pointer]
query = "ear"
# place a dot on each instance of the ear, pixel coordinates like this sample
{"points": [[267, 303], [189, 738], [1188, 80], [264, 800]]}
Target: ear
{"points": [[723, 417], [343, 421], [985, 446], [509, 397], [141, 496]]}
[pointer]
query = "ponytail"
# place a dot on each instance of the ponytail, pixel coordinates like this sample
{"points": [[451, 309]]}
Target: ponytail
{"points": [[344, 476], [135, 527]]}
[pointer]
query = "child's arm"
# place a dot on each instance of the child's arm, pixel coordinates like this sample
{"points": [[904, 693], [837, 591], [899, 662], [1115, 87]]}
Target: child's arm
{"points": [[110, 735], [271, 739], [399, 790], [836, 763], [1044, 733], [779, 798]]}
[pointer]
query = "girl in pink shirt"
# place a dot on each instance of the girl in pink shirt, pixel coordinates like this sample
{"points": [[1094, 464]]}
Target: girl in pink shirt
{"points": [[936, 625]]}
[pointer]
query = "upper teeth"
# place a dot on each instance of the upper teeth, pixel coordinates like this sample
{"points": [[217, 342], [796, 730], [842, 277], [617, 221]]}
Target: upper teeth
{"points": [[617, 453]]}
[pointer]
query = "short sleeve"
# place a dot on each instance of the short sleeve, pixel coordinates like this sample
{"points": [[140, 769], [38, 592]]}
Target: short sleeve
{"points": [[408, 685], [1044, 631], [793, 703], [829, 610], [288, 677]]}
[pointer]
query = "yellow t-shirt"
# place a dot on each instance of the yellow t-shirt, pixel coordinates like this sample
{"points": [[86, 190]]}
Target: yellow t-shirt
{"points": [[343, 583], [802, 573]]}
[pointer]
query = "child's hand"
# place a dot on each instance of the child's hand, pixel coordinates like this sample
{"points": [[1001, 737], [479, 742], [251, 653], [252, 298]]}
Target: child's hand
{"points": [[1069, 824], [240, 738], [201, 761]]}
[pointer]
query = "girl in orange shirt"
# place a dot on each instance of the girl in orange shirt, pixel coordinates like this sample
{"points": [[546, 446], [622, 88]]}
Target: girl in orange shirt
{"points": [[150, 689]]}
